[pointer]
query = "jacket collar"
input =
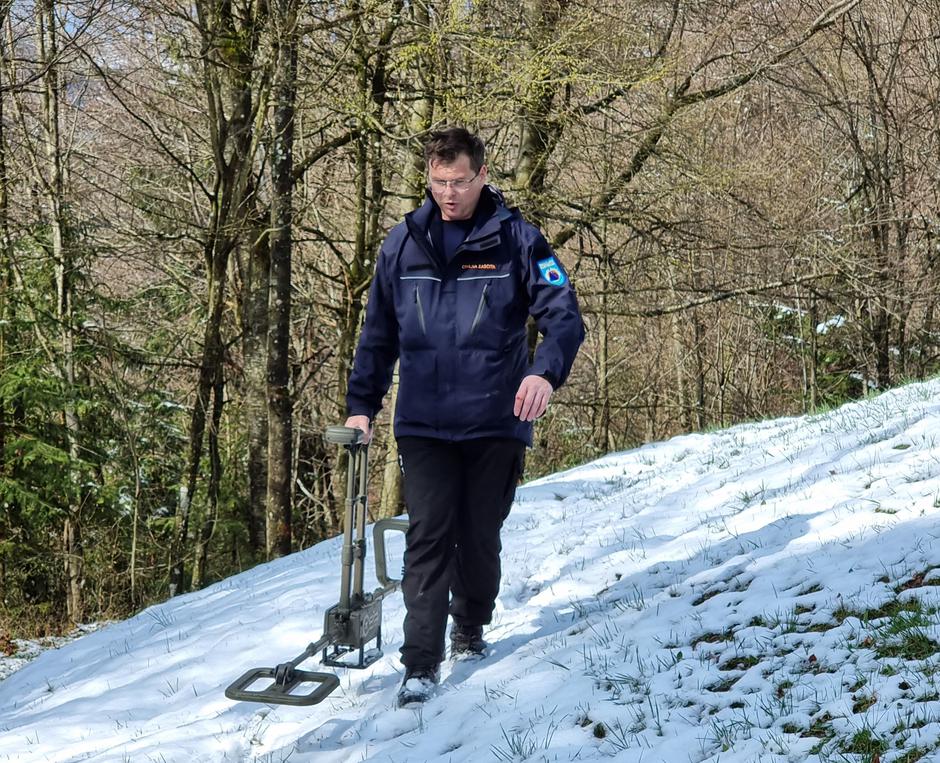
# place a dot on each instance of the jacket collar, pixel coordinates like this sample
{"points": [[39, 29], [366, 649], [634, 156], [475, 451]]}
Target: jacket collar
{"points": [[490, 212]]}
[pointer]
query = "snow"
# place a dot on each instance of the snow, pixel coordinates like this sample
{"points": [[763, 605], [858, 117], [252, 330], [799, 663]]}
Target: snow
{"points": [[22, 651], [767, 592], [836, 322]]}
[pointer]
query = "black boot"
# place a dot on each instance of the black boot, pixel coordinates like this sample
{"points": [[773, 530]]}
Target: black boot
{"points": [[466, 642], [419, 684]]}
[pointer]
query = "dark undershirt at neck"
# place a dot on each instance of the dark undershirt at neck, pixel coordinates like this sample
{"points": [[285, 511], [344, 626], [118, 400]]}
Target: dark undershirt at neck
{"points": [[453, 234]]}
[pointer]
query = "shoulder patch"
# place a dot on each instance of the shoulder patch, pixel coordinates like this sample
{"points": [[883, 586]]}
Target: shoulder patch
{"points": [[552, 272]]}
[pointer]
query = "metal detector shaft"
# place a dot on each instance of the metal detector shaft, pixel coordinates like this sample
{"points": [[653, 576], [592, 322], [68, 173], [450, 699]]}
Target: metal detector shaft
{"points": [[354, 526], [361, 510]]}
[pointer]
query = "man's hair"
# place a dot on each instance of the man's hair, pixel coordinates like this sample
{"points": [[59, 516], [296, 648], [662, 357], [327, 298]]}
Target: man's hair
{"points": [[446, 145]]}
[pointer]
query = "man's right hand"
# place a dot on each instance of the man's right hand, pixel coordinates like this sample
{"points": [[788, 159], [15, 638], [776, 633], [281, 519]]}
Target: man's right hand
{"points": [[361, 422]]}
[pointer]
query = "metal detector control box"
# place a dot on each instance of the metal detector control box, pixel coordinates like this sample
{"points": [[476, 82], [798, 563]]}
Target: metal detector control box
{"points": [[353, 622]]}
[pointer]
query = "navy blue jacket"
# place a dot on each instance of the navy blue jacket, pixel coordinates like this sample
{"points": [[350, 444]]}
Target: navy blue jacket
{"points": [[458, 328]]}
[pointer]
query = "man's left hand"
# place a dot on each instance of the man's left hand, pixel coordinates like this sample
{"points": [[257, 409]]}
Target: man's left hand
{"points": [[532, 398]]}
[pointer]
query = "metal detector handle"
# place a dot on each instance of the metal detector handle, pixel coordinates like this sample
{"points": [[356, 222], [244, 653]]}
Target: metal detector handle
{"points": [[378, 543], [340, 435]]}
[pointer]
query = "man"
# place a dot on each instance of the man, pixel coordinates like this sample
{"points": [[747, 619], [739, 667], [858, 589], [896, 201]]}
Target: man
{"points": [[453, 287]]}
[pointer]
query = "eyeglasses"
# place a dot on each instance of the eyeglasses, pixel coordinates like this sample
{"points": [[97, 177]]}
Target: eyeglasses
{"points": [[460, 185]]}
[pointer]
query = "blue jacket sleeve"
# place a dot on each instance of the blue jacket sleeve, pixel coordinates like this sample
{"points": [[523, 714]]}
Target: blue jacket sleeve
{"points": [[554, 306], [377, 351]]}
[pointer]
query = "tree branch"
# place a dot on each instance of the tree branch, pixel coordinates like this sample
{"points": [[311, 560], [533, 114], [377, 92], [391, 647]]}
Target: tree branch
{"points": [[721, 296], [682, 99]]}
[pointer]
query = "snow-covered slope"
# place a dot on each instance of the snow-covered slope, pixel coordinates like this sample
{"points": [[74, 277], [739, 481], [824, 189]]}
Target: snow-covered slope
{"points": [[767, 592]]}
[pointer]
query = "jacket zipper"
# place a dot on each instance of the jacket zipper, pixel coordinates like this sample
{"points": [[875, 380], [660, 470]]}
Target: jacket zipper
{"points": [[479, 313], [424, 328]]}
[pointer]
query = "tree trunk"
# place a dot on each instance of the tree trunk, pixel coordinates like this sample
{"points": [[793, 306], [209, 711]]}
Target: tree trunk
{"points": [[201, 557], [722, 370], [678, 351], [62, 257], [135, 525], [698, 337], [209, 372], [603, 443], [813, 381], [880, 308], [679, 355], [6, 260], [255, 332], [280, 404], [228, 60], [538, 133]]}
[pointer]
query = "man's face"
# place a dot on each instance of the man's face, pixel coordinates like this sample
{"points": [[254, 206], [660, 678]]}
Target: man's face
{"points": [[458, 198]]}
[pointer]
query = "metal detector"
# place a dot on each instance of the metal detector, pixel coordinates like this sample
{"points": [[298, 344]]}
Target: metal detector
{"points": [[356, 620]]}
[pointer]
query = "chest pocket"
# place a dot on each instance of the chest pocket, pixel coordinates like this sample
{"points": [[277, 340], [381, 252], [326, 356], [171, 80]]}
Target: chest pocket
{"points": [[487, 300], [418, 297]]}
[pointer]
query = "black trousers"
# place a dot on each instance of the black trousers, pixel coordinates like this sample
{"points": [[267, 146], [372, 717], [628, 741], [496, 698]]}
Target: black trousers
{"points": [[458, 494]]}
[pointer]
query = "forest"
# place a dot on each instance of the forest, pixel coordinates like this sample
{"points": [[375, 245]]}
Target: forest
{"points": [[193, 195]]}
